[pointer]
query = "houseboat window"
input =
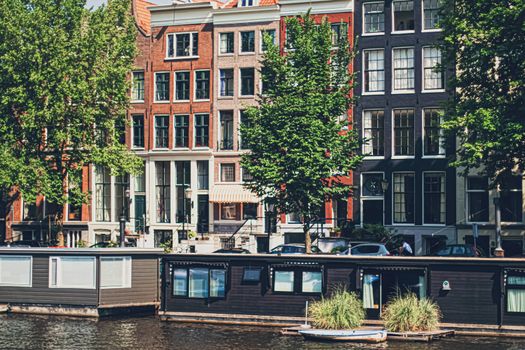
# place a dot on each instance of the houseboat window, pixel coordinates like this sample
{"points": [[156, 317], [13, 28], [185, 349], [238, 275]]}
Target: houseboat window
{"points": [[372, 291], [217, 283], [516, 294], [251, 274], [16, 271], [312, 282], [180, 282], [199, 282], [284, 281], [115, 272], [72, 272]]}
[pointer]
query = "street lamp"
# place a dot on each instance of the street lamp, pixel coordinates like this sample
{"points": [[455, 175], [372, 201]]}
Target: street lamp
{"points": [[187, 195], [269, 211], [498, 252], [123, 212]]}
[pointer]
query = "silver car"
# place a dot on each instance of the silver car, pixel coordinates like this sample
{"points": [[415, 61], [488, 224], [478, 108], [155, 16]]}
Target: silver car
{"points": [[368, 249]]}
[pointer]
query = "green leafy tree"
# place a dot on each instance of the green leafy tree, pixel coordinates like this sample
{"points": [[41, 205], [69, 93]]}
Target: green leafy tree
{"points": [[63, 94], [485, 41], [301, 149]]}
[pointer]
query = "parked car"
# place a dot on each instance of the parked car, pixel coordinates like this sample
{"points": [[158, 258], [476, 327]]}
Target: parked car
{"points": [[232, 251], [293, 248], [368, 249], [26, 244], [464, 250]]}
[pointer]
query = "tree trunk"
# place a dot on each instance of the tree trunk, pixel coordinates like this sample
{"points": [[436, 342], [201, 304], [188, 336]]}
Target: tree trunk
{"points": [[307, 238], [60, 228]]}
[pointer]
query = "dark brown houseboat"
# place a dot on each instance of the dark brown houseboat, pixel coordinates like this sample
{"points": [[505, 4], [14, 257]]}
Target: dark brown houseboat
{"points": [[474, 293]]}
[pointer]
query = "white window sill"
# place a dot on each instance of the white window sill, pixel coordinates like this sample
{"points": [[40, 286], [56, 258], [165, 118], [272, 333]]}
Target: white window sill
{"points": [[246, 53], [181, 149], [403, 157], [373, 34], [160, 149], [133, 148], [206, 100], [137, 101], [378, 93], [247, 96], [402, 92], [181, 58], [181, 101], [400, 32], [225, 97], [434, 225], [433, 91], [435, 30], [438, 156], [373, 157], [201, 148], [161, 102], [403, 224], [227, 54]]}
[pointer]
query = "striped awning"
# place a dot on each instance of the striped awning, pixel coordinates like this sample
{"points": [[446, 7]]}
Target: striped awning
{"points": [[232, 193]]}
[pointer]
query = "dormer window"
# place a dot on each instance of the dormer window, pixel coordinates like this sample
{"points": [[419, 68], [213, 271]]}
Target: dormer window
{"points": [[182, 45], [247, 3]]}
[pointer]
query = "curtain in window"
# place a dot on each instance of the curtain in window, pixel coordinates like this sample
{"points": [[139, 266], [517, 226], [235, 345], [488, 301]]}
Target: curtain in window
{"points": [[284, 281], [516, 300], [368, 291]]}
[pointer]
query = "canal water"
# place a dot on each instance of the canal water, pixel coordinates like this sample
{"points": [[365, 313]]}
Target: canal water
{"points": [[43, 332]]}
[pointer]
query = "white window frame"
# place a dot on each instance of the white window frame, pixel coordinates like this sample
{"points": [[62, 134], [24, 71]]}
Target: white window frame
{"points": [[219, 53], [363, 63], [522, 200], [405, 91], [175, 57], [467, 202], [423, 223], [127, 271], [370, 198], [261, 34], [195, 85], [155, 88], [443, 77], [234, 173], [175, 86], [155, 131], [442, 149], [392, 132], [254, 42], [254, 3], [174, 133], [59, 284], [194, 129], [240, 83], [423, 30], [409, 31], [372, 157], [30, 284], [132, 131], [394, 223], [219, 96], [363, 33], [132, 76]]}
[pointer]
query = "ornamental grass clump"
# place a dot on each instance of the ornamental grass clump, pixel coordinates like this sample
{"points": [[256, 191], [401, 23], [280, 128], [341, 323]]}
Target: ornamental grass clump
{"points": [[343, 310], [408, 313]]}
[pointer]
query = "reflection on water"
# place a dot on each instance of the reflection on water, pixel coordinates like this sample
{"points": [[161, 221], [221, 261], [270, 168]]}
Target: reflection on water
{"points": [[42, 332]]}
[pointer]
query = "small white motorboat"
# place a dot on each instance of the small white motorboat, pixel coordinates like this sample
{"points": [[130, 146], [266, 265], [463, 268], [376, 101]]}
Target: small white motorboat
{"points": [[359, 336]]}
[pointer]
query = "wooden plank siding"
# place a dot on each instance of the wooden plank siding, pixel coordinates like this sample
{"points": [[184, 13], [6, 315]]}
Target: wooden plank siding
{"points": [[144, 280], [40, 293], [473, 297]]}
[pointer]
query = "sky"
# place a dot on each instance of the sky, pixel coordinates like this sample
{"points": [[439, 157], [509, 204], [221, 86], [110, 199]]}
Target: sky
{"points": [[97, 3]]}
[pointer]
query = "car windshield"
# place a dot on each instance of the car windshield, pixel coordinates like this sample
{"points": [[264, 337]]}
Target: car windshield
{"points": [[293, 249], [366, 249], [458, 250], [444, 251]]}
